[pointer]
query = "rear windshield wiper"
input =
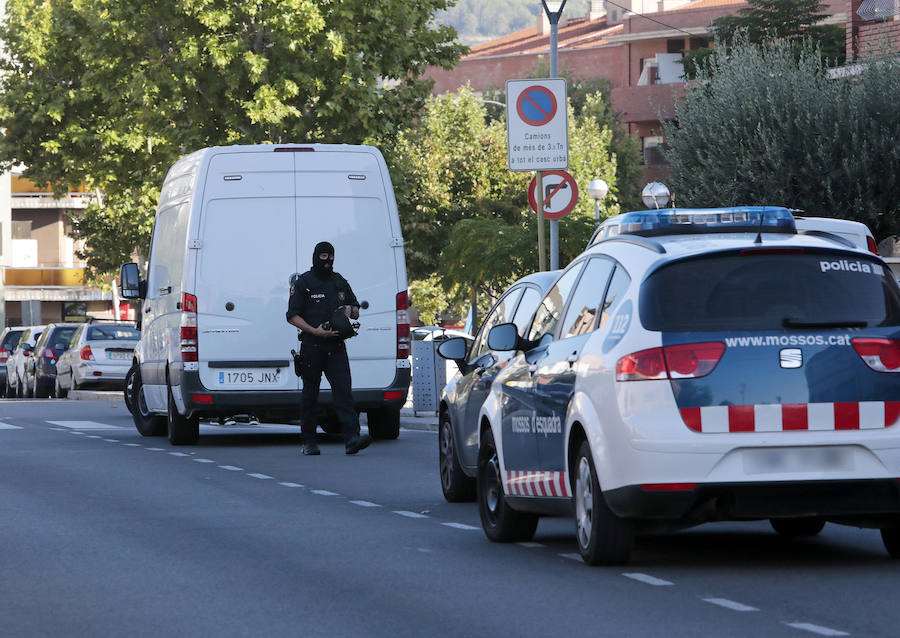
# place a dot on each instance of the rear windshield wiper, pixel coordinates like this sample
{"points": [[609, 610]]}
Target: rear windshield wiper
{"points": [[790, 322]]}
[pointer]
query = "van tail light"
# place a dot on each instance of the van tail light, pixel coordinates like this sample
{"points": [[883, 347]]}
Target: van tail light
{"points": [[188, 327], [86, 354], [882, 355], [4, 355], [48, 354], [403, 342], [870, 242], [682, 361]]}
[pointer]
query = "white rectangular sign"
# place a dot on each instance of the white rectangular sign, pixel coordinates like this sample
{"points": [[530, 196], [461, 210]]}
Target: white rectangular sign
{"points": [[537, 124]]}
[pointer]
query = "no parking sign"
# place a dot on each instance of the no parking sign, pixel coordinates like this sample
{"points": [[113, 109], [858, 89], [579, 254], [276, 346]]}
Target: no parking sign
{"points": [[537, 127]]}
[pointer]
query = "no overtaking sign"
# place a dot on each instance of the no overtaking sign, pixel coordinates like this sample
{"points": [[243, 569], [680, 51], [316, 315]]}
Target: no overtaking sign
{"points": [[537, 125]]}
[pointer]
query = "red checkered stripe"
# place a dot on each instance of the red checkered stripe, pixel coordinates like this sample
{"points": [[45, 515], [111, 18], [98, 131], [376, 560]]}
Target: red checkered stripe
{"points": [[524, 483], [861, 415]]}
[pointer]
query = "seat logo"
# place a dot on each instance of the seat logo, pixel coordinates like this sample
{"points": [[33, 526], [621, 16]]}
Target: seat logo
{"points": [[791, 358]]}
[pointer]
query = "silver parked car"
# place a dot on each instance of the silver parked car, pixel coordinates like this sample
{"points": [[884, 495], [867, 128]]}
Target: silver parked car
{"points": [[99, 356], [15, 363]]}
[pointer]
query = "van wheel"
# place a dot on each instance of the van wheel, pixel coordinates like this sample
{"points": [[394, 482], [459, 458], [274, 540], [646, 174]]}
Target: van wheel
{"points": [[501, 523], [457, 487], [384, 423], [58, 392], [809, 526], [182, 430], [146, 422], [890, 536], [603, 538]]}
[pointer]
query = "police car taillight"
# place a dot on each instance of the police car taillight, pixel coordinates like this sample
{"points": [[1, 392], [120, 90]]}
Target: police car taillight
{"points": [[882, 355], [188, 327], [4, 355], [870, 243], [403, 342], [682, 361]]}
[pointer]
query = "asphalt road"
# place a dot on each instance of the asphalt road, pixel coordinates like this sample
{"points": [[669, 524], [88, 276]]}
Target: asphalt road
{"points": [[106, 533]]}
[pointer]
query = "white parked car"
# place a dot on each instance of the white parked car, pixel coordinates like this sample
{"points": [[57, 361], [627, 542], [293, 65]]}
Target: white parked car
{"points": [[15, 363], [99, 356]]}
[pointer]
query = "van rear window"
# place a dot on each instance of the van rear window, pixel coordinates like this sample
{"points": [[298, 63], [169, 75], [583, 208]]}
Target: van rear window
{"points": [[769, 292]]}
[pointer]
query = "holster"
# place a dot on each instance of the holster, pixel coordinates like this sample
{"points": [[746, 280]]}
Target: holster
{"points": [[296, 356]]}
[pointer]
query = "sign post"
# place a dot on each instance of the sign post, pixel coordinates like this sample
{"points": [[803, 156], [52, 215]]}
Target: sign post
{"points": [[537, 131], [553, 17]]}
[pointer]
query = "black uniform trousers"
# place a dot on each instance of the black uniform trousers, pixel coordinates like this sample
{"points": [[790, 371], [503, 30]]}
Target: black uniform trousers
{"points": [[329, 357]]}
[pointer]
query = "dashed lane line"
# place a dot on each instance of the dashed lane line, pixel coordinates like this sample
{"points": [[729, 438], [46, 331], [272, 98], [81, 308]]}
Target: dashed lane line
{"points": [[259, 476], [324, 493], [111, 440], [365, 503], [178, 454], [231, 468], [532, 544], [203, 461], [730, 604], [460, 526], [817, 629], [154, 449], [287, 483], [409, 514], [645, 578], [85, 425], [76, 432], [93, 436], [132, 445]]}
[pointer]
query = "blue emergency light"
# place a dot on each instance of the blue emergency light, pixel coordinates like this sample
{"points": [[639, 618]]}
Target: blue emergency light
{"points": [[680, 221]]}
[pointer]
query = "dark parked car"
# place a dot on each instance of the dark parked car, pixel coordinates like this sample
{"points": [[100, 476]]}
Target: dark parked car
{"points": [[465, 392], [40, 367], [9, 339]]}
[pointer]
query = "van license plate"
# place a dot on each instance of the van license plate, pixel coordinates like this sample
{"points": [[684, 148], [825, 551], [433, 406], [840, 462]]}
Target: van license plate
{"points": [[250, 377]]}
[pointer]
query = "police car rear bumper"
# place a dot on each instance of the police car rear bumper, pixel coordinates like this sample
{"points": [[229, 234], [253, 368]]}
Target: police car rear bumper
{"points": [[200, 401], [860, 500]]}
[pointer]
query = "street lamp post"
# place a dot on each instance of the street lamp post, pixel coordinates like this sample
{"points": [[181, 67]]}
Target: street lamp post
{"points": [[597, 189]]}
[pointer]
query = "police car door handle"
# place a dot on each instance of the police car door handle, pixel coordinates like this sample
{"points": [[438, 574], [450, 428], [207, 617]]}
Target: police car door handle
{"points": [[532, 368], [572, 358]]}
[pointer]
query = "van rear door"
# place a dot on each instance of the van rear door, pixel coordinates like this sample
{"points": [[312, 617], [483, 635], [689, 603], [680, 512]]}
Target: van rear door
{"points": [[247, 253], [341, 199]]}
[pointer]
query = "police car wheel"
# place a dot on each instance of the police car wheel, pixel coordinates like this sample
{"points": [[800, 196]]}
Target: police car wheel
{"points": [[456, 485], [603, 538], [809, 526], [500, 522], [890, 536], [147, 423], [182, 430]]}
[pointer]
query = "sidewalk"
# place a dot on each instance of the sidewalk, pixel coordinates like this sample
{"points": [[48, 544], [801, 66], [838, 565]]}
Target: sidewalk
{"points": [[409, 419]]}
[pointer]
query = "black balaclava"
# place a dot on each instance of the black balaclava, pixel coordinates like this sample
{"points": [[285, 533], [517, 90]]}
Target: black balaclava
{"points": [[323, 267]]}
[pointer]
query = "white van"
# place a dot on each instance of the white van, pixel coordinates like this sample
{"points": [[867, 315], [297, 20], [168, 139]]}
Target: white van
{"points": [[233, 224], [856, 233]]}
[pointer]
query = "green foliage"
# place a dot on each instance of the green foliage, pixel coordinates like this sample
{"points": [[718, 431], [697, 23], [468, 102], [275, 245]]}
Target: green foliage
{"points": [[479, 21], [466, 216], [796, 21], [764, 126], [428, 298], [108, 94]]}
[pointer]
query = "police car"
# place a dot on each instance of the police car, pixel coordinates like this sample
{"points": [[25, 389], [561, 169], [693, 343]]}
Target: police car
{"points": [[696, 366]]}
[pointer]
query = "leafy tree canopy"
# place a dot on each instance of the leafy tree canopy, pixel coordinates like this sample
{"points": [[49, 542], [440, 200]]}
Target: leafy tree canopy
{"points": [[108, 94], [798, 21], [764, 126]]}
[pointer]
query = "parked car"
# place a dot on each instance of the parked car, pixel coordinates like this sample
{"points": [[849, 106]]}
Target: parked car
{"points": [[98, 355], [9, 339], [40, 366], [856, 233], [465, 392], [15, 364]]}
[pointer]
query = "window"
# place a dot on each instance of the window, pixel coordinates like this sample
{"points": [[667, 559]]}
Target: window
{"points": [[60, 338], [499, 314], [111, 333], [551, 307], [616, 292], [21, 229], [652, 145], [674, 46], [529, 302], [581, 315]]}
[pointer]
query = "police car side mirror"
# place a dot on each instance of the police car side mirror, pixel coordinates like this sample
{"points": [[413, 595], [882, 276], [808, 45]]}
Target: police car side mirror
{"points": [[504, 336]]}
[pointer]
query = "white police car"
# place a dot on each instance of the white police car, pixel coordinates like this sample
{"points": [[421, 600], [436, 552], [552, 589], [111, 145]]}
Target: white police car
{"points": [[696, 366]]}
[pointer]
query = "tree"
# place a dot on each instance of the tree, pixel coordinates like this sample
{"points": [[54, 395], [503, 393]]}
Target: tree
{"points": [[764, 126], [797, 21], [108, 94]]}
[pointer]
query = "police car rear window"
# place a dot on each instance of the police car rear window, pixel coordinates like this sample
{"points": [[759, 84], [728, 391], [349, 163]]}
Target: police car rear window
{"points": [[769, 292]]}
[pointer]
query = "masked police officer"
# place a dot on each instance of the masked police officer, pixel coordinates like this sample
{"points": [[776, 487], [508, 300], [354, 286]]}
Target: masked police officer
{"points": [[315, 296]]}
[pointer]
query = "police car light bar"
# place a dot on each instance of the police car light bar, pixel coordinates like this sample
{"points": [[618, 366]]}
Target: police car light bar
{"points": [[678, 221]]}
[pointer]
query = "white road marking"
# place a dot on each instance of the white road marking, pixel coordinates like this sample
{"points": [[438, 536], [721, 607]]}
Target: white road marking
{"points": [[203, 461], [178, 454], [816, 629], [232, 468], [730, 604], [154, 449], [325, 493], [287, 484], [460, 526], [132, 444], [7, 426], [93, 436], [77, 432], [533, 544], [650, 580], [365, 504], [85, 425], [59, 429], [410, 514], [572, 557], [111, 440], [259, 476]]}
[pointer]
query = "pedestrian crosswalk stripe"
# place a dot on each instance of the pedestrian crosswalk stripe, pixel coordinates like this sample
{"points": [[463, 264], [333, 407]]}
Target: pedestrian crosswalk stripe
{"points": [[85, 425]]}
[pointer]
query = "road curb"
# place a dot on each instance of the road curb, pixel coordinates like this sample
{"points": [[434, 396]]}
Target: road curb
{"points": [[97, 395]]}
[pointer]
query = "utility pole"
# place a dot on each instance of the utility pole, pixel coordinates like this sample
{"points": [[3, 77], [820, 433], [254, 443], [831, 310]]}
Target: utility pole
{"points": [[553, 16]]}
